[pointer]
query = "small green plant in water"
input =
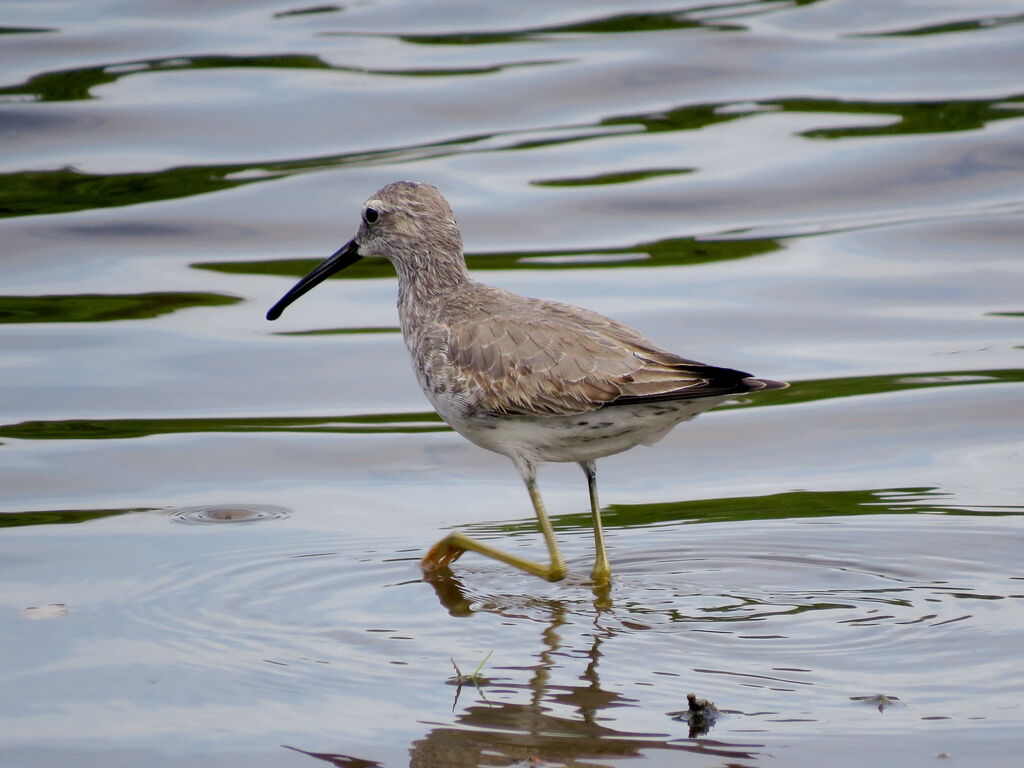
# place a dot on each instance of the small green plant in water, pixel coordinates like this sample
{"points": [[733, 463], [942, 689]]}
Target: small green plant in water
{"points": [[475, 678]]}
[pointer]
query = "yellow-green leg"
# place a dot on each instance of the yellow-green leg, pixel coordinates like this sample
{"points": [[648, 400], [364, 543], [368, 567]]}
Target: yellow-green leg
{"points": [[450, 548], [602, 573]]}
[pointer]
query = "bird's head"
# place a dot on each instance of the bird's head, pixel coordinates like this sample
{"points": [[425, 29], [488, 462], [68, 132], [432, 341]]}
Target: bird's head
{"points": [[408, 223]]}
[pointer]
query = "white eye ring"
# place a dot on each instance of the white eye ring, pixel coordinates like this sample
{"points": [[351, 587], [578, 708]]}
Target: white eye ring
{"points": [[370, 215]]}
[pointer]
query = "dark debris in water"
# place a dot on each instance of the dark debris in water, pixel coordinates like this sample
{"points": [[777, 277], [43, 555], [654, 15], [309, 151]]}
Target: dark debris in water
{"points": [[879, 699], [701, 714]]}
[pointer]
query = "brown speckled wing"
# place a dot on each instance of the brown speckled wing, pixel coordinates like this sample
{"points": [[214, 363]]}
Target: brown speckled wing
{"points": [[526, 356]]}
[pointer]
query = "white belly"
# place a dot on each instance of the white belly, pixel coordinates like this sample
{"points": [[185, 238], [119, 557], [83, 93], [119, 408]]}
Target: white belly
{"points": [[581, 437]]}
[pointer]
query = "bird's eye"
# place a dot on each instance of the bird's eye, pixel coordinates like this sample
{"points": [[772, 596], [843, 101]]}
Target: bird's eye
{"points": [[371, 215]]}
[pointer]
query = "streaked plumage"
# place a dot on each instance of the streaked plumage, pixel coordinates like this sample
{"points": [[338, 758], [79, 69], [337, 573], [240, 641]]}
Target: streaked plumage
{"points": [[534, 380]]}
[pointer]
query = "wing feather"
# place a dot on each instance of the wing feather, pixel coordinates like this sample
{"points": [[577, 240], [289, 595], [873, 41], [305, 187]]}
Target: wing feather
{"points": [[526, 356]]}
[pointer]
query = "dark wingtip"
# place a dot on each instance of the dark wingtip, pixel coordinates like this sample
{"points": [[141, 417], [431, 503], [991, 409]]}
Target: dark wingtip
{"points": [[759, 384]]}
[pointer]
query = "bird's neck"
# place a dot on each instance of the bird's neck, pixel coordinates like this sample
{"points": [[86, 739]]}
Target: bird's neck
{"points": [[431, 279]]}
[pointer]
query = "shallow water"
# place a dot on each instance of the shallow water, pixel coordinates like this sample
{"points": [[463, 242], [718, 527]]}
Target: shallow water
{"points": [[211, 524]]}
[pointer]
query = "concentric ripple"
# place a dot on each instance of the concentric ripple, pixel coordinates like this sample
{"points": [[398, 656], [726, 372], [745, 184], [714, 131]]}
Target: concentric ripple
{"points": [[235, 513], [272, 613]]}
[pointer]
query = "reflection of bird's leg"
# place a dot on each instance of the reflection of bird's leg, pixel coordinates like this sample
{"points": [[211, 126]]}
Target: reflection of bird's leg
{"points": [[451, 547], [602, 572], [552, 645], [450, 592]]}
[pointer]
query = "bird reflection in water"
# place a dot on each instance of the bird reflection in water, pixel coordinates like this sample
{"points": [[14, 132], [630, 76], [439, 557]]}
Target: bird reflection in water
{"points": [[528, 733]]}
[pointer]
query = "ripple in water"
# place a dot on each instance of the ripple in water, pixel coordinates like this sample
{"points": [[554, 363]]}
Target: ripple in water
{"points": [[269, 611], [832, 605], [240, 513]]}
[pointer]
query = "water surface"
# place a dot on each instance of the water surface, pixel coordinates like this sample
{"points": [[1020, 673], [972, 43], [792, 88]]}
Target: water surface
{"points": [[212, 524]]}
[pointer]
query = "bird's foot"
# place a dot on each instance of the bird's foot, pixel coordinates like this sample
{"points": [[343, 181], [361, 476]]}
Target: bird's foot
{"points": [[442, 554], [450, 548]]}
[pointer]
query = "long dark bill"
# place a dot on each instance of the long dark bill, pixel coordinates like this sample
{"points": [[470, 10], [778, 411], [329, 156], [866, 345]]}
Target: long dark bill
{"points": [[346, 255]]}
